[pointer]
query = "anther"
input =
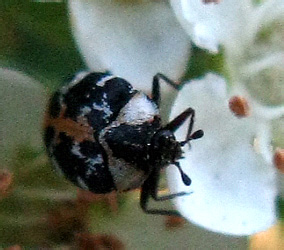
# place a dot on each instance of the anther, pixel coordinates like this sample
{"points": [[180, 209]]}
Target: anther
{"points": [[278, 159], [239, 106]]}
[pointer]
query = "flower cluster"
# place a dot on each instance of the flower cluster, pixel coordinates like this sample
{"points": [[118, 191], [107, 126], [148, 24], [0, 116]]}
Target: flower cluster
{"points": [[237, 167], [234, 179]]}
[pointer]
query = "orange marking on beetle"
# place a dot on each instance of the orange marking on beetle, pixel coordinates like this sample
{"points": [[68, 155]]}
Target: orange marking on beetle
{"points": [[80, 130]]}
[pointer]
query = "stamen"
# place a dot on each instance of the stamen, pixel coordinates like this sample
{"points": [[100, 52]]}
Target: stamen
{"points": [[278, 159], [239, 106], [186, 180]]}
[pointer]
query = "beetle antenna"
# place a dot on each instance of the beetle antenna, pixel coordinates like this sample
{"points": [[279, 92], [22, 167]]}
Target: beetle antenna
{"points": [[196, 135], [186, 180]]}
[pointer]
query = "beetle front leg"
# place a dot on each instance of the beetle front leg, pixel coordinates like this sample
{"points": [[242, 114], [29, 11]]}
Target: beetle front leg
{"points": [[150, 189], [179, 120], [156, 95]]}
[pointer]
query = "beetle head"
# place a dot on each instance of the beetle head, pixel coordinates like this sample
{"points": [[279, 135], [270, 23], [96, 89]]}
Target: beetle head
{"points": [[165, 150]]}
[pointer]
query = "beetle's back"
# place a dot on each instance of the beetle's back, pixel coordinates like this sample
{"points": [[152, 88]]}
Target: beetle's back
{"points": [[76, 115]]}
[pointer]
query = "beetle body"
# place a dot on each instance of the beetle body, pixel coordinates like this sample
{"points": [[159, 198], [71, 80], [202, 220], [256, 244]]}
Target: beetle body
{"points": [[103, 135]]}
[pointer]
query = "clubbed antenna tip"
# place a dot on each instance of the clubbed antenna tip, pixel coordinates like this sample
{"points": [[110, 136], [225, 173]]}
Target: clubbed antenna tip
{"points": [[186, 180], [196, 135]]}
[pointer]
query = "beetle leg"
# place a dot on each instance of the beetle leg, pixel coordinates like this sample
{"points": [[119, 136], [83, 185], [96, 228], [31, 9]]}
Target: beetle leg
{"points": [[154, 189], [156, 95], [150, 188], [179, 120]]}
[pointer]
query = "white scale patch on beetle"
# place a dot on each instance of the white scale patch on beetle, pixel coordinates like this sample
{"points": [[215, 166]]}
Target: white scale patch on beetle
{"points": [[79, 77], [89, 161], [94, 161], [85, 110], [91, 164], [56, 166], [103, 107], [138, 110], [76, 150], [121, 171], [102, 82], [81, 183]]}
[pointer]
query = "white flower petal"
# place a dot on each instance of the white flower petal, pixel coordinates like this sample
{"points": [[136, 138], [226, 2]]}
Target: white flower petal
{"points": [[260, 64], [233, 186], [204, 38], [210, 25], [22, 103], [278, 132], [264, 78], [251, 35], [133, 40], [264, 14], [263, 140]]}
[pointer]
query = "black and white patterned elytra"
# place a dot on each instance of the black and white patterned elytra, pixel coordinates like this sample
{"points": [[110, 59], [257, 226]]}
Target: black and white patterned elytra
{"points": [[103, 135]]}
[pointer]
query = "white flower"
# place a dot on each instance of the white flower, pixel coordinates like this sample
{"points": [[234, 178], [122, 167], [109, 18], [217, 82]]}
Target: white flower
{"points": [[231, 23], [137, 39], [233, 186], [132, 39], [251, 36], [234, 180]]}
